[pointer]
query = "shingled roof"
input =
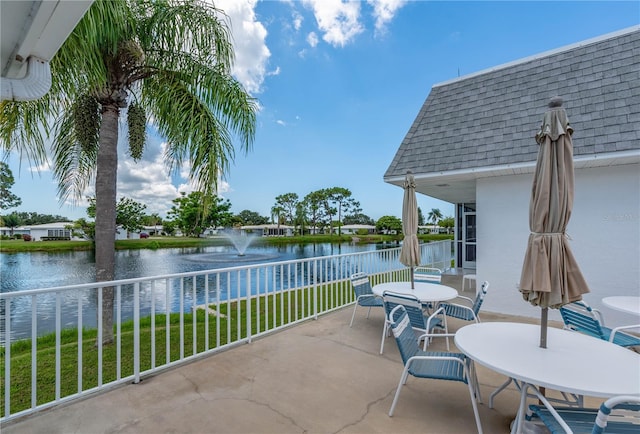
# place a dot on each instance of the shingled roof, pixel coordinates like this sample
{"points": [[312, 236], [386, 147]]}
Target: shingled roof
{"points": [[489, 119]]}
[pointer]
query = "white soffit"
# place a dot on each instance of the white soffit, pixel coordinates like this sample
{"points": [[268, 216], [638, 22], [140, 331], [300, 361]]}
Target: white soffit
{"points": [[35, 28]]}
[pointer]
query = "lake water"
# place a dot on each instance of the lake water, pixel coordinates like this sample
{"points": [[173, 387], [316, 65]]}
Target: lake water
{"points": [[21, 271]]}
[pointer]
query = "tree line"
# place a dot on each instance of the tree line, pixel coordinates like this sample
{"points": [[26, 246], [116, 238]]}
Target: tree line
{"points": [[320, 210]]}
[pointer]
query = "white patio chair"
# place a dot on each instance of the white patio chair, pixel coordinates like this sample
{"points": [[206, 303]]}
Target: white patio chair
{"points": [[428, 364], [620, 414], [364, 295], [421, 323]]}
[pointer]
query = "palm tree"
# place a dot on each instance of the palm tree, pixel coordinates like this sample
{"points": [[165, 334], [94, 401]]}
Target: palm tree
{"points": [[434, 216], [161, 61], [276, 214]]}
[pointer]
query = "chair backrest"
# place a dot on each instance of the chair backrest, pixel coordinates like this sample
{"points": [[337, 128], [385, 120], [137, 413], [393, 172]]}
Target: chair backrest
{"points": [[580, 317], [403, 332], [412, 307], [361, 284], [477, 304], [627, 422], [427, 274]]}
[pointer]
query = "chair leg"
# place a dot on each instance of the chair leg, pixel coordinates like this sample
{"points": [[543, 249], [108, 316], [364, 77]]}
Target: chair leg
{"points": [[472, 393], [446, 329], [403, 379], [354, 314], [476, 383], [384, 335]]}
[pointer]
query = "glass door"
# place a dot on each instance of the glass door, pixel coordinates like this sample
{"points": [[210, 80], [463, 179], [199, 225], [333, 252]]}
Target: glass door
{"points": [[469, 236]]}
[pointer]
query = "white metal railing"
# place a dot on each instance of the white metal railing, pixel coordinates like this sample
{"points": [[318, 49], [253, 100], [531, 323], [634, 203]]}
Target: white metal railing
{"points": [[166, 320]]}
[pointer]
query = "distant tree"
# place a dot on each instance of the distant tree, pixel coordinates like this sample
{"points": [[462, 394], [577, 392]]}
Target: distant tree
{"points": [[33, 218], [389, 223], [152, 219], [84, 228], [342, 202], [358, 219], [328, 209], [277, 213], [434, 215], [420, 217], [168, 227], [288, 203], [448, 223], [189, 216], [7, 199], [300, 217], [313, 205], [251, 218], [11, 221], [129, 213]]}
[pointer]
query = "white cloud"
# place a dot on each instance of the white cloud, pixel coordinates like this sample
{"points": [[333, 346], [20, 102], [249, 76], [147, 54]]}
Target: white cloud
{"points": [[44, 167], [312, 39], [147, 181], [384, 11], [281, 122], [338, 20], [275, 71], [249, 42], [297, 20]]}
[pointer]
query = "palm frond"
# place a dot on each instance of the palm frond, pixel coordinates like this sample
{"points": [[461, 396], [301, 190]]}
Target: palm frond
{"points": [[73, 164], [193, 27], [22, 125], [192, 130]]}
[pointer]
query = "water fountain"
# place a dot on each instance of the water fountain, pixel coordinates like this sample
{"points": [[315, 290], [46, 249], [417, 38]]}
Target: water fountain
{"points": [[237, 253], [240, 240]]}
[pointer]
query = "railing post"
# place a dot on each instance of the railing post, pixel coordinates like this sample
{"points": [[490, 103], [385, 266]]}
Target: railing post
{"points": [[58, 331], [7, 357], [136, 332], [248, 297], [315, 289]]}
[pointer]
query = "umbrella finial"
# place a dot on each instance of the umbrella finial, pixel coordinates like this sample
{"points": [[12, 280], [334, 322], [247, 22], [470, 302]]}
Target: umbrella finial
{"points": [[556, 101]]}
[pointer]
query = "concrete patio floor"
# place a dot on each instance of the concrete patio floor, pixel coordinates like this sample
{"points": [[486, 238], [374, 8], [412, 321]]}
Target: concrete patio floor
{"points": [[318, 377]]}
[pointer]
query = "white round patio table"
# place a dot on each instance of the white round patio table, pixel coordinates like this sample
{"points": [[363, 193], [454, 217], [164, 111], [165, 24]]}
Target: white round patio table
{"points": [[424, 291], [628, 304], [572, 362]]}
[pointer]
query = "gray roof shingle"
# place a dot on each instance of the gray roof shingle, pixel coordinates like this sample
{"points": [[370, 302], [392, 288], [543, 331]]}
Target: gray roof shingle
{"points": [[491, 118]]}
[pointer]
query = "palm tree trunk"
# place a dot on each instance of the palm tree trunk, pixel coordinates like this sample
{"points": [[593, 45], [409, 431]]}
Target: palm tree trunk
{"points": [[107, 167]]}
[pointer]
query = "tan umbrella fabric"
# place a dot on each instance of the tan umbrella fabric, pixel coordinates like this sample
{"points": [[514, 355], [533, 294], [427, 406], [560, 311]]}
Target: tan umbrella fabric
{"points": [[550, 276], [410, 252]]}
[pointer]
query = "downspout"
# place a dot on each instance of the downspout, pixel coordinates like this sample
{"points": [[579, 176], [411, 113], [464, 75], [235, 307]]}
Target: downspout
{"points": [[35, 84]]}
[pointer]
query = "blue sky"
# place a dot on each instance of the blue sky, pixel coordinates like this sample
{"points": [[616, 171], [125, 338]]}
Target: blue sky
{"points": [[339, 84]]}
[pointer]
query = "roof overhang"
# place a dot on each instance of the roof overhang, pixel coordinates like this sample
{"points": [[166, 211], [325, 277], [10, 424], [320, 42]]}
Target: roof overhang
{"points": [[34, 30], [459, 186]]}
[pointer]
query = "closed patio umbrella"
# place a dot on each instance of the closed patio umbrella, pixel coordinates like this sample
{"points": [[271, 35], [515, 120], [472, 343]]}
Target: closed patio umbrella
{"points": [[410, 252], [550, 275]]}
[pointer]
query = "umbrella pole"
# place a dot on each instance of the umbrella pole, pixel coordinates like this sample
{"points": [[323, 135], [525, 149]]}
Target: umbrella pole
{"points": [[543, 327], [412, 282], [543, 339]]}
